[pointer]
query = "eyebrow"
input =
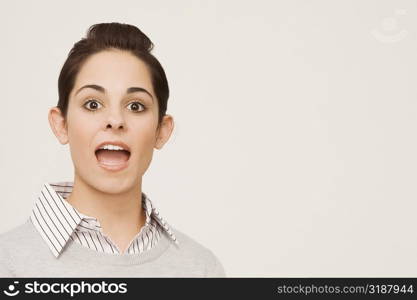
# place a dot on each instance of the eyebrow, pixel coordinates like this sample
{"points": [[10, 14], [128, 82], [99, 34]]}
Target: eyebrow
{"points": [[101, 89]]}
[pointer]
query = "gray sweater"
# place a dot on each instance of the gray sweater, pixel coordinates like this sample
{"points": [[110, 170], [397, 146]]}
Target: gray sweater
{"points": [[23, 253]]}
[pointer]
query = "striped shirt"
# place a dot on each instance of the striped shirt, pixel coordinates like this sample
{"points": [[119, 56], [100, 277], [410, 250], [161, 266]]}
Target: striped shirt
{"points": [[59, 223]]}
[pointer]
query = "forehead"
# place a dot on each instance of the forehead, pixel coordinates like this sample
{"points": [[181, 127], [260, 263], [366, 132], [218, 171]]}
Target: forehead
{"points": [[115, 70]]}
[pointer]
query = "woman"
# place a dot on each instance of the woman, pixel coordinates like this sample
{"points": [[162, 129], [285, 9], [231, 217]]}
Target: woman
{"points": [[112, 112]]}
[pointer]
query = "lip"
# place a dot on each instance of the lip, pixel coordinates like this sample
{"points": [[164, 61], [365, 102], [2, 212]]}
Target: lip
{"points": [[114, 167], [116, 143]]}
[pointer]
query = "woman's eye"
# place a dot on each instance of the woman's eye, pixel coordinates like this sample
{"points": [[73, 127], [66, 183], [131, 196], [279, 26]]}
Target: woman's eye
{"points": [[137, 106], [91, 105]]}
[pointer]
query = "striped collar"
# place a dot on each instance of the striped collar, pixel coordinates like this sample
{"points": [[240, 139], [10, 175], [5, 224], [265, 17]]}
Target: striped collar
{"points": [[56, 219]]}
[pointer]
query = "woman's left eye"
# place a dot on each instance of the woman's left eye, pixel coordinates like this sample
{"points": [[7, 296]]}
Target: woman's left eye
{"points": [[136, 105]]}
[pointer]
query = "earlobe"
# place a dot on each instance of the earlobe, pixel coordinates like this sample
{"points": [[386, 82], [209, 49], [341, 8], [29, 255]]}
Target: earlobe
{"points": [[58, 124]]}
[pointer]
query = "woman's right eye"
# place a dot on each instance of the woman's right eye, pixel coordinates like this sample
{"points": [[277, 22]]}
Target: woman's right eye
{"points": [[91, 104]]}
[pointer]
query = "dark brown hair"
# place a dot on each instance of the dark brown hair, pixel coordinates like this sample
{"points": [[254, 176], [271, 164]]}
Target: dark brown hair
{"points": [[105, 36]]}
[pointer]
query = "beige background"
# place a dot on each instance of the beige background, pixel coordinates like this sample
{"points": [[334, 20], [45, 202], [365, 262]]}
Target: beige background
{"points": [[294, 152]]}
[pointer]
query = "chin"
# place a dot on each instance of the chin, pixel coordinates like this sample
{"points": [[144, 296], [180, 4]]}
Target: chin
{"points": [[110, 184], [115, 185]]}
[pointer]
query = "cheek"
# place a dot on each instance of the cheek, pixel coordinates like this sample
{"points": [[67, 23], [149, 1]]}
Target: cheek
{"points": [[144, 150], [144, 138], [81, 136]]}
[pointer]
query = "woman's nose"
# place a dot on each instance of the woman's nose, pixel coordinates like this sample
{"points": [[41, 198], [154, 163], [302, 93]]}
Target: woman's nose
{"points": [[115, 125], [115, 120]]}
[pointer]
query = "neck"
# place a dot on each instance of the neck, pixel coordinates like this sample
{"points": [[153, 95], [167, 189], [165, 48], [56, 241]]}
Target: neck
{"points": [[121, 215]]}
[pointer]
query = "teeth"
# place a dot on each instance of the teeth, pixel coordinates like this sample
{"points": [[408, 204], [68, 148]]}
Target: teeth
{"points": [[111, 147]]}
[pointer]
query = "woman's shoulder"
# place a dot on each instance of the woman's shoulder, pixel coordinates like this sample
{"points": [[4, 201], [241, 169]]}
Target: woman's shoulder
{"points": [[12, 243], [191, 248], [18, 235]]}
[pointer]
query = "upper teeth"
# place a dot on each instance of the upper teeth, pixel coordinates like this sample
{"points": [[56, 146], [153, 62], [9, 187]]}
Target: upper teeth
{"points": [[111, 147]]}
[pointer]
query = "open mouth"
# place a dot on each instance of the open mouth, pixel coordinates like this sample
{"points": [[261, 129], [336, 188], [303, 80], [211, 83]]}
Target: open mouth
{"points": [[112, 157]]}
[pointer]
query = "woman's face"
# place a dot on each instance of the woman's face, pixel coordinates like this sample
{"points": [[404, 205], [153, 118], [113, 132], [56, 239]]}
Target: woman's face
{"points": [[109, 112]]}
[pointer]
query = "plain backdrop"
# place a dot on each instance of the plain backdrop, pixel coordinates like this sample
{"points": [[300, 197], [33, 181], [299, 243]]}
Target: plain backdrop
{"points": [[294, 151]]}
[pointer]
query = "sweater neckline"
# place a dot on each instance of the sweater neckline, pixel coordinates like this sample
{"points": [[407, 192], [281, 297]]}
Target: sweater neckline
{"points": [[74, 250]]}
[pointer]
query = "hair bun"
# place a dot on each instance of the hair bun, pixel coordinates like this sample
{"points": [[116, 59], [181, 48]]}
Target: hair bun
{"points": [[125, 36]]}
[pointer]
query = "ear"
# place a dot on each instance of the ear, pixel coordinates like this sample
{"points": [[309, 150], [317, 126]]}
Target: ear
{"points": [[164, 131], [58, 124]]}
